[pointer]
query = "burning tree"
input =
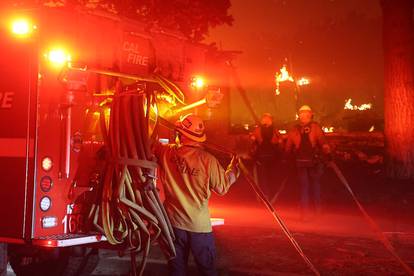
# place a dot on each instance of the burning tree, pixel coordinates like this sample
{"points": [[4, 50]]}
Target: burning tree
{"points": [[350, 106], [398, 35], [282, 76]]}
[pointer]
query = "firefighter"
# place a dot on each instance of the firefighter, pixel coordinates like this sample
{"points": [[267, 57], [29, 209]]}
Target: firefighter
{"points": [[188, 174], [306, 141], [265, 140]]}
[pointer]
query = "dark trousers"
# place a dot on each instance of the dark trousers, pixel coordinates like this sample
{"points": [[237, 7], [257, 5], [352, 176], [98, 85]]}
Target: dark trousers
{"points": [[266, 172], [202, 248], [309, 180], [3, 259]]}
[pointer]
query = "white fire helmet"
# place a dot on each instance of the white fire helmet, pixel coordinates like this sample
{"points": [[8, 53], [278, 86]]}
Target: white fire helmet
{"points": [[192, 127], [305, 108]]}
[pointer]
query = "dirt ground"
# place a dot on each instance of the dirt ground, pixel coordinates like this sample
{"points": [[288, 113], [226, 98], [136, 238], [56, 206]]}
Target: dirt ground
{"points": [[338, 242]]}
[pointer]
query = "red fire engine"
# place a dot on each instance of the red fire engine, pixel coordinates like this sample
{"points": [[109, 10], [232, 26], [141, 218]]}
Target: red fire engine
{"points": [[61, 73]]}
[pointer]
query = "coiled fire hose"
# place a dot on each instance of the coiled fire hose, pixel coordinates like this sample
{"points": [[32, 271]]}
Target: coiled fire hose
{"points": [[376, 229], [129, 211]]}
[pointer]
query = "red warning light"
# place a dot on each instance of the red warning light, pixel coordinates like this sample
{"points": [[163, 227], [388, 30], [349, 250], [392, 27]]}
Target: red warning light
{"points": [[46, 183]]}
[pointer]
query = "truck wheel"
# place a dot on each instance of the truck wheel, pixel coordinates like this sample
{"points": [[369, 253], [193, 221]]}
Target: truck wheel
{"points": [[3, 258], [82, 262], [39, 263], [76, 261]]}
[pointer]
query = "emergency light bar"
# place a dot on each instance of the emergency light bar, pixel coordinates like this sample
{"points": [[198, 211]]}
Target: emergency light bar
{"points": [[58, 57], [198, 82], [22, 27]]}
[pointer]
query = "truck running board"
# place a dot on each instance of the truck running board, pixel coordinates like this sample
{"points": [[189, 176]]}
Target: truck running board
{"points": [[67, 240]]}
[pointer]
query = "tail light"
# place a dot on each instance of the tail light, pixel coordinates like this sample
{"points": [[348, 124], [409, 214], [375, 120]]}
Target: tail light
{"points": [[46, 183]]}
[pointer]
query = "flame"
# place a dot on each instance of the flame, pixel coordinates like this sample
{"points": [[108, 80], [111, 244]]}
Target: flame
{"points": [[328, 129], [349, 106], [282, 76], [282, 131], [372, 129], [303, 81]]}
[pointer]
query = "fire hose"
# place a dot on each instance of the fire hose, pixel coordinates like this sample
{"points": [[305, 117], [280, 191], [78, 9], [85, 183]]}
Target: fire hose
{"points": [[276, 216], [243, 93], [129, 211], [285, 230], [280, 190], [261, 195], [381, 236], [376, 229]]}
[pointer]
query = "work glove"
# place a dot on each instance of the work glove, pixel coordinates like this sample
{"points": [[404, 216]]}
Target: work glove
{"points": [[327, 155], [234, 166]]}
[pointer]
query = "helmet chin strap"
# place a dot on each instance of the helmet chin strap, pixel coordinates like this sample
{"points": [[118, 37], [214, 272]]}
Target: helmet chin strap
{"points": [[178, 137], [181, 139]]}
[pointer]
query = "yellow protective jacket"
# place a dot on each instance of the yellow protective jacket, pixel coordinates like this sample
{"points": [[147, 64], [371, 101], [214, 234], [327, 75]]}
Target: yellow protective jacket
{"points": [[189, 174]]}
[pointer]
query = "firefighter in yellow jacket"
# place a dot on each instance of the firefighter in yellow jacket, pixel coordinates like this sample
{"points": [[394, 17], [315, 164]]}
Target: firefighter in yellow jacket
{"points": [[188, 174]]}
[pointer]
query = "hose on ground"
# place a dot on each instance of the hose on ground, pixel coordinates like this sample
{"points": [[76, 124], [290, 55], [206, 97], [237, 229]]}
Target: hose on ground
{"points": [[260, 194], [278, 219], [374, 226]]}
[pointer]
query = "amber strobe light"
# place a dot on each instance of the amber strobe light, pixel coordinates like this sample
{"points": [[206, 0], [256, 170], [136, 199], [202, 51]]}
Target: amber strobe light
{"points": [[198, 82], [47, 164], [22, 27], [58, 57]]}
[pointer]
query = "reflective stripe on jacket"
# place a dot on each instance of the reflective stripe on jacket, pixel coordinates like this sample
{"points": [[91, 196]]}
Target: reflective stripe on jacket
{"points": [[316, 137], [189, 174]]}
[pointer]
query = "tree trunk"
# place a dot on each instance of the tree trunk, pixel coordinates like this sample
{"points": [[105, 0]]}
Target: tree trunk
{"points": [[398, 36]]}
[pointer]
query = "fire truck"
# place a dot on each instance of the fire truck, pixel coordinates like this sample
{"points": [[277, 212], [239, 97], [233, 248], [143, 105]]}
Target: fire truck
{"points": [[72, 178]]}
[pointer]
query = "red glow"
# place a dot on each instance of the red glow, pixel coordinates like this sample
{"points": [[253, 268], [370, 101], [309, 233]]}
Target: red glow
{"points": [[258, 216]]}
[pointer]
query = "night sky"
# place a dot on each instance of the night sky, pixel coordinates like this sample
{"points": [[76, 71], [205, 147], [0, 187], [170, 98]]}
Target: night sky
{"points": [[336, 43]]}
